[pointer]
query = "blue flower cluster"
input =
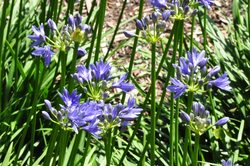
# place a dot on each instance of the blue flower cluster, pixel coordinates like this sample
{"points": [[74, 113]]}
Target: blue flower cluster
{"points": [[96, 78], [192, 75], [64, 40], [199, 121], [92, 116]]}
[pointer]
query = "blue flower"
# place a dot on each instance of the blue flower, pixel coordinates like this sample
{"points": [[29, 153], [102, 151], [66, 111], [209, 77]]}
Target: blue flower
{"points": [[158, 3], [70, 100], [224, 163], [102, 70], [178, 88], [122, 85], [176, 2], [129, 34], [222, 121], [222, 82], [52, 26], [72, 22], [206, 3], [93, 128], [184, 66], [39, 36], [81, 51], [197, 59], [184, 117], [45, 51]]}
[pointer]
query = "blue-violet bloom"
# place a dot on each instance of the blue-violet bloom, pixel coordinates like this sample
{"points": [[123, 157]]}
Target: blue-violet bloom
{"points": [[45, 51], [178, 88], [39, 36], [123, 85], [222, 82]]}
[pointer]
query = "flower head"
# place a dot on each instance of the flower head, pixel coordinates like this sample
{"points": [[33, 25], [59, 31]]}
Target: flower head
{"points": [[39, 36], [102, 70], [178, 88], [123, 85], [45, 52], [70, 100], [222, 82]]}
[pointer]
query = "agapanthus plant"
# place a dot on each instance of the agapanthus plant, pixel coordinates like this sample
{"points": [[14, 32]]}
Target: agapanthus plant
{"points": [[95, 80], [64, 40], [192, 75], [199, 120]]}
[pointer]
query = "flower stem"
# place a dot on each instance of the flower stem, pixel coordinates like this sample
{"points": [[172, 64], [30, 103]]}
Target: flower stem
{"points": [[63, 68], [212, 104], [196, 148], [153, 79], [187, 132], [176, 131], [108, 147], [176, 39], [62, 146], [73, 68], [205, 30], [192, 34]]}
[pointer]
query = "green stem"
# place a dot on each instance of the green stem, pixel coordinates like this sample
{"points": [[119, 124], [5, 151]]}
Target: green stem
{"points": [[187, 132], [108, 147], [63, 68], [248, 12], [192, 35], [73, 68], [62, 146], [212, 104], [176, 39], [176, 132], [90, 12], [196, 148], [153, 106], [147, 98], [86, 148], [101, 15], [81, 6], [205, 30]]}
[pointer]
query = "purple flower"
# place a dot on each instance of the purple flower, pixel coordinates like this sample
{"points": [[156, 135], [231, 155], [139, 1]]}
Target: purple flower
{"points": [[206, 3], [129, 34], [83, 73], [215, 70], [178, 88], [81, 51], [222, 82], [72, 22], [45, 51], [129, 113], [224, 163], [197, 59], [46, 115], [70, 100], [184, 66], [222, 121], [52, 26], [158, 3], [166, 14], [39, 36], [123, 85], [93, 128], [184, 117], [102, 70]]}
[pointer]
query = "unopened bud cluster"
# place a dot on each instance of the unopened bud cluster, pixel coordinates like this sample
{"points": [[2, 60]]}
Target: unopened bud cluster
{"points": [[199, 120]]}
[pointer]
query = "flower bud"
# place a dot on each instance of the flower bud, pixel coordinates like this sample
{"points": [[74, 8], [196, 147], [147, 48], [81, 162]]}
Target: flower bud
{"points": [[173, 12], [55, 38], [129, 34], [64, 28], [154, 17], [191, 116], [203, 71], [104, 84], [52, 24], [208, 122], [190, 66], [78, 19], [172, 6], [105, 95], [185, 117], [59, 116], [163, 25], [66, 33], [185, 3], [77, 36], [54, 111], [195, 11], [46, 115], [81, 51], [166, 15], [178, 72], [86, 28], [186, 10], [144, 34], [67, 48], [147, 20], [145, 26], [206, 115], [61, 124], [186, 78], [200, 82], [195, 108], [139, 25], [93, 74], [110, 118], [66, 43], [200, 123], [101, 93], [201, 110], [158, 26], [71, 22], [48, 105], [209, 86], [70, 30], [93, 84], [180, 9], [215, 70], [208, 77], [151, 28], [222, 121], [85, 90]]}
